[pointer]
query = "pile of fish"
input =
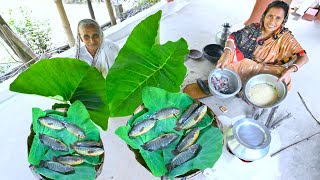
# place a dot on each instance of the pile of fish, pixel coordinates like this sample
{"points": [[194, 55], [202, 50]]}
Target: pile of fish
{"points": [[63, 164], [221, 84], [185, 149]]}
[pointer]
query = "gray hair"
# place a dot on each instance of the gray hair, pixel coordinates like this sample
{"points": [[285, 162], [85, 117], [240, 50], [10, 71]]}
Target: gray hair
{"points": [[85, 23]]}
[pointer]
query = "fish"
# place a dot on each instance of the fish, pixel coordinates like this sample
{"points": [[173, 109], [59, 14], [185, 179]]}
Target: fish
{"points": [[183, 157], [74, 129], [88, 143], [142, 127], [165, 113], [68, 160], [187, 113], [195, 117], [57, 167], [51, 122], [53, 143], [87, 151], [160, 142], [187, 141]]}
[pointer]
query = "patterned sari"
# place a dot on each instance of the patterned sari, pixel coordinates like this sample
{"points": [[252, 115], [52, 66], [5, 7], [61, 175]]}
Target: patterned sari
{"points": [[256, 56]]}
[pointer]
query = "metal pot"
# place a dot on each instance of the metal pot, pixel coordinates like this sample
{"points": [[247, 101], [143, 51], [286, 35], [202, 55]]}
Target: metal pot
{"points": [[270, 79], [248, 139]]}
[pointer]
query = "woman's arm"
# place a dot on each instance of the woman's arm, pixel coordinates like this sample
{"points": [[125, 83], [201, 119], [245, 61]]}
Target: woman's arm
{"points": [[302, 60], [227, 55]]}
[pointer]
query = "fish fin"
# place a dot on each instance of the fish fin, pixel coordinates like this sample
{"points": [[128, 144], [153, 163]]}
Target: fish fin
{"points": [[169, 166], [90, 152], [72, 146], [177, 129], [175, 152]]}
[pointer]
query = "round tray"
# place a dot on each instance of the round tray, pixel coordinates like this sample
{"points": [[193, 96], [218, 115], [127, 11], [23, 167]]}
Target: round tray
{"points": [[188, 175]]}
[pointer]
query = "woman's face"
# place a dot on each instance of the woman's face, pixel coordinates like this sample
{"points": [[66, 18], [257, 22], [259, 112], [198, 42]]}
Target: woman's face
{"points": [[91, 37], [273, 19]]}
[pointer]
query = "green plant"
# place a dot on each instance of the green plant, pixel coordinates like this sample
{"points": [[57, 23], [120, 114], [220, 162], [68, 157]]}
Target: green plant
{"points": [[36, 34], [142, 62]]}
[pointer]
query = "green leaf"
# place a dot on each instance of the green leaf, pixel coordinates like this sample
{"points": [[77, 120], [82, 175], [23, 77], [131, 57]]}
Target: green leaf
{"points": [[67, 79], [37, 151], [83, 171], [210, 137], [144, 62]]}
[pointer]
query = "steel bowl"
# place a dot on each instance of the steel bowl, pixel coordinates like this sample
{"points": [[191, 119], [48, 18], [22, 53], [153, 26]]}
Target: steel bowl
{"points": [[233, 80], [212, 52], [248, 139], [195, 54], [271, 80]]}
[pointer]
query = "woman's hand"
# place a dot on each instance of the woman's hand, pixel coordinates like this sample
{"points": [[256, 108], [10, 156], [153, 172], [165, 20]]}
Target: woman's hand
{"points": [[286, 73], [222, 62]]}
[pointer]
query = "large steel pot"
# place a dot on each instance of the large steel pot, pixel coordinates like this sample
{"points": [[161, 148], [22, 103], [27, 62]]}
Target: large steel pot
{"points": [[248, 139], [272, 80]]}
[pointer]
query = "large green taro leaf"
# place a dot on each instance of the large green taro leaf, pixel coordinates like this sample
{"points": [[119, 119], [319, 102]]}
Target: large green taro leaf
{"points": [[144, 62], [210, 137], [77, 114], [67, 79]]}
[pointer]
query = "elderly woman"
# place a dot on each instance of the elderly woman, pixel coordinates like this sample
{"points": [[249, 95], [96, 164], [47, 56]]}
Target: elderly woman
{"points": [[264, 47], [97, 51]]}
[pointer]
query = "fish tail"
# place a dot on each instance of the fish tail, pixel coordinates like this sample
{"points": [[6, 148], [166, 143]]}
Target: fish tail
{"points": [[177, 129], [55, 158], [144, 147], [175, 152], [169, 166], [42, 163]]}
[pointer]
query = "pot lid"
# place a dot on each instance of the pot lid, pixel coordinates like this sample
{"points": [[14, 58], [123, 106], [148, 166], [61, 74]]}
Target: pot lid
{"points": [[251, 133]]}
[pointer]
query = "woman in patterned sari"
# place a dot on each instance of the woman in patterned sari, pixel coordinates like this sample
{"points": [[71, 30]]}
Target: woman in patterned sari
{"points": [[265, 47]]}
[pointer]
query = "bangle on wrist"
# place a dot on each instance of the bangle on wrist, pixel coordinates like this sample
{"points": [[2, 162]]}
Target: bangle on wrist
{"points": [[228, 49], [295, 66]]}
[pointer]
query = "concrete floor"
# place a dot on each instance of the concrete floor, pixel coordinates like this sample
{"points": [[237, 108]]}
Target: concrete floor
{"points": [[197, 22]]}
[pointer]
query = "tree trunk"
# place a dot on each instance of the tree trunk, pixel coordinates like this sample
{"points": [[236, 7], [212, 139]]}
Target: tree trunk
{"points": [[91, 9], [25, 57], [65, 22], [110, 11]]}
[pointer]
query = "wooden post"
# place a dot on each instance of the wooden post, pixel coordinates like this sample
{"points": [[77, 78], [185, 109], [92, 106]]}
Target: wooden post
{"points": [[18, 51], [110, 11], [18, 42], [91, 9], [65, 22]]}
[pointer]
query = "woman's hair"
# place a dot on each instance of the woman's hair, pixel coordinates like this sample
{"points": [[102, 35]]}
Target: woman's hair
{"points": [[277, 4], [85, 23]]}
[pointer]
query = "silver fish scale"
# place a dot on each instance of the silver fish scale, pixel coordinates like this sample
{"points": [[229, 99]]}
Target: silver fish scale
{"points": [[141, 126], [69, 159], [188, 112], [76, 130], [191, 120], [53, 143], [51, 122], [58, 167], [165, 113], [160, 142], [186, 139], [88, 143], [185, 155], [89, 151]]}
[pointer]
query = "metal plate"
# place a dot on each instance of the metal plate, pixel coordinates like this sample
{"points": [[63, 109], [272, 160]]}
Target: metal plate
{"points": [[251, 133]]}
